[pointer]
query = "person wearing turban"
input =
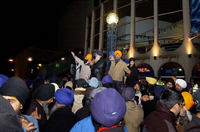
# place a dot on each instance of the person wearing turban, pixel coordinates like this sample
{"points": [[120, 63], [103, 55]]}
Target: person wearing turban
{"points": [[85, 66], [117, 69], [62, 119], [16, 92], [99, 67], [180, 85], [38, 108]]}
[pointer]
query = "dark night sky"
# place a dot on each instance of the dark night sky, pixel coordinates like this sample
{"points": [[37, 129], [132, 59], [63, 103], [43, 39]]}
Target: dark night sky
{"points": [[28, 23]]}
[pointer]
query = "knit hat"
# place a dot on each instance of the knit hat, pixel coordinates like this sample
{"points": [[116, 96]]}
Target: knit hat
{"points": [[44, 92], [68, 83], [181, 82], [158, 90], [64, 96], [16, 87], [112, 53], [107, 79], [96, 90], [108, 107], [128, 94], [3, 79], [98, 52], [151, 80], [188, 99], [93, 82], [89, 56], [118, 52], [81, 82]]}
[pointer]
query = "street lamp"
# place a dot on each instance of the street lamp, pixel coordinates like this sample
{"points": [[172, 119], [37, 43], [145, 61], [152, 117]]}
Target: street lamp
{"points": [[112, 20]]}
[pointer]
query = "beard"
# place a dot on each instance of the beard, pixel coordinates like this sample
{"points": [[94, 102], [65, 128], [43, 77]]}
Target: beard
{"points": [[97, 58], [46, 109]]}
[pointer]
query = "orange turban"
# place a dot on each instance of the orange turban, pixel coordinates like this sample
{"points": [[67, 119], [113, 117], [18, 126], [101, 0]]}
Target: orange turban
{"points": [[118, 52], [89, 56]]}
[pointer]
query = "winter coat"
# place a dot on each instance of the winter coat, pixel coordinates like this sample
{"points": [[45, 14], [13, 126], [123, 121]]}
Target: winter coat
{"points": [[133, 117], [85, 69], [194, 125], [130, 80], [86, 125], [161, 120], [34, 104], [62, 120], [117, 70], [98, 69]]}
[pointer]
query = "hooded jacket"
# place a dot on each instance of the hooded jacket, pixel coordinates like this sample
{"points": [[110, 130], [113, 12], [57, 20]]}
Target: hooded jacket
{"points": [[161, 120]]}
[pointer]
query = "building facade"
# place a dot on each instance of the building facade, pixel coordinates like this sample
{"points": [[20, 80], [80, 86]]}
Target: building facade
{"points": [[156, 33]]}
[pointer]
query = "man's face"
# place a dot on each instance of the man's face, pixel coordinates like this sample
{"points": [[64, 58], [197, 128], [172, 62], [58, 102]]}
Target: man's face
{"points": [[137, 87], [117, 56], [49, 101], [178, 87], [145, 98], [14, 103], [169, 85]]}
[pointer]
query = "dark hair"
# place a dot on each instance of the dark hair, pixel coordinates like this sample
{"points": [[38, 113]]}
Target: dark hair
{"points": [[170, 80], [171, 97], [60, 83], [150, 90]]}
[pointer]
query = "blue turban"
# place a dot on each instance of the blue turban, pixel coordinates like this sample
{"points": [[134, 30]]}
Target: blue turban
{"points": [[64, 96]]}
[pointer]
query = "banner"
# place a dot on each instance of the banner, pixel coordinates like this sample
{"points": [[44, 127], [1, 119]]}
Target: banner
{"points": [[195, 16]]}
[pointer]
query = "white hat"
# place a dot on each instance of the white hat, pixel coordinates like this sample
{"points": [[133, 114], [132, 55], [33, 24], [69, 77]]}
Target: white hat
{"points": [[181, 82]]}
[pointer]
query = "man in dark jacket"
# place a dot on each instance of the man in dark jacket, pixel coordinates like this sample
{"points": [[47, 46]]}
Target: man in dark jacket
{"points": [[99, 66], [194, 125], [42, 97], [170, 105]]}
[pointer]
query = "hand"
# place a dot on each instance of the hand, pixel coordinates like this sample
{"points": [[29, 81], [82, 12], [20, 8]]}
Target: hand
{"points": [[72, 53], [128, 75], [29, 126], [129, 72], [35, 114]]}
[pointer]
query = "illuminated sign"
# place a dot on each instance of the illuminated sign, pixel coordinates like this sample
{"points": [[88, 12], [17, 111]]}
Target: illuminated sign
{"points": [[143, 70]]}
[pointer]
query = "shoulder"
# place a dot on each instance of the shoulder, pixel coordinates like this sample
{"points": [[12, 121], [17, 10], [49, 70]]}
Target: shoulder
{"points": [[84, 125]]}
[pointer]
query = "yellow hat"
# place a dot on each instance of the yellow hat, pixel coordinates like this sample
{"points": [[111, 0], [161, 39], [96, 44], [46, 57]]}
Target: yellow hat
{"points": [[151, 80], [188, 100], [89, 56], [118, 52]]}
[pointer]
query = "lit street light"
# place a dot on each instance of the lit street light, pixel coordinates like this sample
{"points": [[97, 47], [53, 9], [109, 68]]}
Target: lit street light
{"points": [[112, 20]]}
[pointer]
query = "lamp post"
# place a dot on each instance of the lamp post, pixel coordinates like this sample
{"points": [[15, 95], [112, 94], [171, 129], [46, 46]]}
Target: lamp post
{"points": [[112, 20], [30, 59]]}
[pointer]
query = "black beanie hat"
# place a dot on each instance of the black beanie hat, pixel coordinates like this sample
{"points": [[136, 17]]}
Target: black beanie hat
{"points": [[44, 92], [16, 87]]}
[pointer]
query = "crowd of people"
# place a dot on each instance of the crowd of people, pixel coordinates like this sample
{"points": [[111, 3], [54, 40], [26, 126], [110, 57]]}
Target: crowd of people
{"points": [[99, 97]]}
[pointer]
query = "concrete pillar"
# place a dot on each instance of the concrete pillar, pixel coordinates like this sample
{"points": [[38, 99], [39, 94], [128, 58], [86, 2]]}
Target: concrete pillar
{"points": [[92, 33], [188, 46], [101, 34]]}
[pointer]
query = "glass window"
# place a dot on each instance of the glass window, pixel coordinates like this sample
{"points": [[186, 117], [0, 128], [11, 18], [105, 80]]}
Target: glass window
{"points": [[171, 69], [170, 24], [144, 26], [195, 28]]}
